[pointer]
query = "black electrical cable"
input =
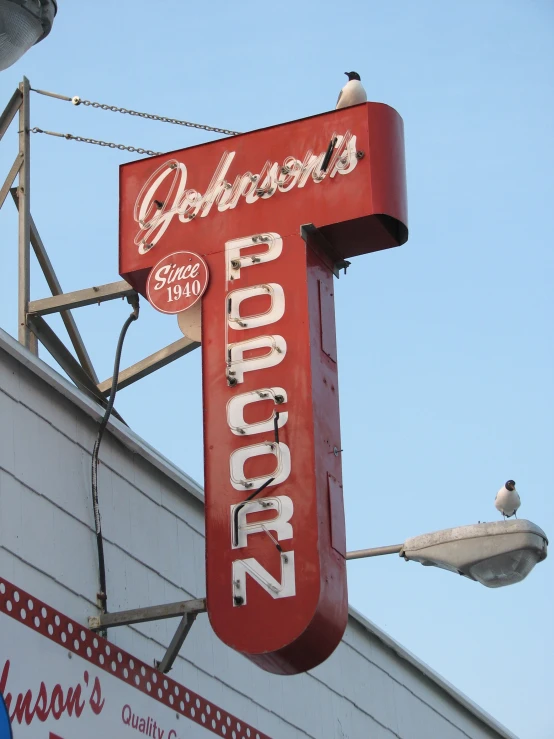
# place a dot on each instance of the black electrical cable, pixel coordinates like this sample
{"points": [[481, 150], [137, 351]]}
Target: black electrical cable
{"points": [[240, 506], [102, 595], [328, 154]]}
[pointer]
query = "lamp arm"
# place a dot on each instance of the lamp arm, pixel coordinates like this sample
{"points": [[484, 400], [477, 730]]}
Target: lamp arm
{"points": [[375, 552]]}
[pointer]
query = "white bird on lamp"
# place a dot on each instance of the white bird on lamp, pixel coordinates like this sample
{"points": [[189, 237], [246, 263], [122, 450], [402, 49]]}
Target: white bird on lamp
{"points": [[507, 499], [352, 93]]}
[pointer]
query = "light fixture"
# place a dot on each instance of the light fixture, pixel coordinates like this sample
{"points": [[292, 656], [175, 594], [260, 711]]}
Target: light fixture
{"points": [[23, 23], [494, 554]]}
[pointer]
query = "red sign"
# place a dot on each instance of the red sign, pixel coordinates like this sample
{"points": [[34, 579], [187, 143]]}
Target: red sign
{"points": [[276, 574], [177, 282]]}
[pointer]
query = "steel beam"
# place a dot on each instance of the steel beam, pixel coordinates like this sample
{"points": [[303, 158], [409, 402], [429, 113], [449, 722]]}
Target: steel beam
{"points": [[51, 341], [9, 111], [56, 289], [150, 613], [63, 357], [150, 364], [176, 643], [24, 333], [79, 298], [8, 182]]}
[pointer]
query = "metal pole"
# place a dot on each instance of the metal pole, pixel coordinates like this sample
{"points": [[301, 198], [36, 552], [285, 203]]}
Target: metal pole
{"points": [[375, 552], [25, 336]]}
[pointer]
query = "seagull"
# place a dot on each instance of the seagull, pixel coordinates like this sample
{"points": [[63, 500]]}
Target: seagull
{"points": [[352, 93], [507, 499]]}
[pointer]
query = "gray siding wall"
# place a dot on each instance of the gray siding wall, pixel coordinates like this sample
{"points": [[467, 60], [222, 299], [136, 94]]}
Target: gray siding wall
{"points": [[152, 517]]}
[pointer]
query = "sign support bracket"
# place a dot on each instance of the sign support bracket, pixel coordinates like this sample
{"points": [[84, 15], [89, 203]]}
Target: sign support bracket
{"points": [[150, 364], [176, 643], [31, 325], [187, 609], [10, 110], [79, 298], [52, 342], [56, 289]]}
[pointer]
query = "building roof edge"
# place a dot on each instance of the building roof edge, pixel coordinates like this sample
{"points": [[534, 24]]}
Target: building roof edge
{"points": [[138, 445]]}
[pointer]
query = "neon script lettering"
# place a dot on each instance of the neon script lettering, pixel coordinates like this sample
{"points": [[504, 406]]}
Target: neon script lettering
{"points": [[154, 212], [240, 362]]}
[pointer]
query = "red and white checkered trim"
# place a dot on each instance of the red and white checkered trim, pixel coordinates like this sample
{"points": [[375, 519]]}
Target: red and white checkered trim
{"points": [[70, 635]]}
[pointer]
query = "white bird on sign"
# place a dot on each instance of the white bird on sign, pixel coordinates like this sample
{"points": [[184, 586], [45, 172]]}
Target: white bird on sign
{"points": [[507, 499], [352, 93]]}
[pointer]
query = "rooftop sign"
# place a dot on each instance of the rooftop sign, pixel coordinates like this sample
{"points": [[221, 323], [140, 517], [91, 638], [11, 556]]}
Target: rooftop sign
{"points": [[276, 576]]}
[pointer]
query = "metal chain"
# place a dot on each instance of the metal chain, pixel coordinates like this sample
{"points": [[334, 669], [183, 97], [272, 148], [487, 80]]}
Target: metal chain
{"points": [[109, 144], [76, 100], [152, 117]]}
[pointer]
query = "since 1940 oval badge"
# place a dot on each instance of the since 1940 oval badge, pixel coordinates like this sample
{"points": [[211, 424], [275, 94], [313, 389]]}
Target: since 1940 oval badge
{"points": [[177, 282]]}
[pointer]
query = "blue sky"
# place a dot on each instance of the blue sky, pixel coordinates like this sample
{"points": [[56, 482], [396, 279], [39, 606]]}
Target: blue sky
{"points": [[445, 344]]}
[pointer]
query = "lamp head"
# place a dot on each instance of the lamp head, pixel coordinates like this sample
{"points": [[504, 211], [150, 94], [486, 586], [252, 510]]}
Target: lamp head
{"points": [[494, 554]]}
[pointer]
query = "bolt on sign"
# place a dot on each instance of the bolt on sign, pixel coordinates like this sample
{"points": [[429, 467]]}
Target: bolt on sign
{"points": [[272, 214]]}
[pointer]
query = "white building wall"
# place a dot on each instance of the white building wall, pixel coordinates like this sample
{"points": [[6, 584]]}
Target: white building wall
{"points": [[152, 516]]}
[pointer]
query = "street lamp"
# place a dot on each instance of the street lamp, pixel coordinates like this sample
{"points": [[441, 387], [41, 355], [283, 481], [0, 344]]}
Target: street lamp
{"points": [[23, 23], [494, 554]]}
